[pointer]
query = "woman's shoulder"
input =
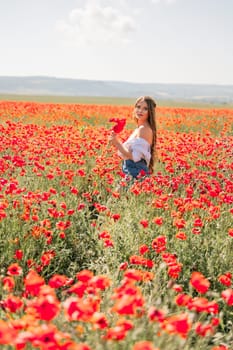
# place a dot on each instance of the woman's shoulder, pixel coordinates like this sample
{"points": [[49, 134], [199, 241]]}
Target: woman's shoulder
{"points": [[145, 132]]}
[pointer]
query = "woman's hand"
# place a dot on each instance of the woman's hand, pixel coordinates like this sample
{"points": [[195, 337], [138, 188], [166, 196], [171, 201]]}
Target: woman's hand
{"points": [[113, 139]]}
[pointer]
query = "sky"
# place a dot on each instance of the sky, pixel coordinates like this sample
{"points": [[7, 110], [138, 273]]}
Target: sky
{"points": [[158, 41]]}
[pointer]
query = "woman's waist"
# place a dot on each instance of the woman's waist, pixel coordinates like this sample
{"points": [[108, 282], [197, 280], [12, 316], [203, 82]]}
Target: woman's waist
{"points": [[142, 160]]}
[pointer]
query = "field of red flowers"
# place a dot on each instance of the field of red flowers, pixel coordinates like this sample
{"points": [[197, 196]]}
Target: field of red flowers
{"points": [[84, 266]]}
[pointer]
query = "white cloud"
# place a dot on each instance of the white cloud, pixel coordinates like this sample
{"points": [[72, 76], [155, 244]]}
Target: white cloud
{"points": [[94, 24]]}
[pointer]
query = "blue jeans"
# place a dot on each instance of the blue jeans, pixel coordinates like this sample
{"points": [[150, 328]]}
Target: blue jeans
{"points": [[129, 167]]}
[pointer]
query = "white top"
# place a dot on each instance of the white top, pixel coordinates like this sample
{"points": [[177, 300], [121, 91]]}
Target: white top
{"points": [[139, 147]]}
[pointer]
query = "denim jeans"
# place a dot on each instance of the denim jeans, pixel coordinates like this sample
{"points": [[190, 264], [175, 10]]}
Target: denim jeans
{"points": [[131, 168]]}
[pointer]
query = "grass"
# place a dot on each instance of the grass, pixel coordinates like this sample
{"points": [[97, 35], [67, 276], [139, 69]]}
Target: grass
{"points": [[108, 101]]}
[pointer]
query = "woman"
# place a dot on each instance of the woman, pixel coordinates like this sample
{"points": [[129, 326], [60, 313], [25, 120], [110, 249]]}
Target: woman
{"points": [[138, 151]]}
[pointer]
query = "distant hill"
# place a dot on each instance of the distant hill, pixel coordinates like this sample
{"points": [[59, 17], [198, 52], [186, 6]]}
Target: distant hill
{"points": [[41, 85]]}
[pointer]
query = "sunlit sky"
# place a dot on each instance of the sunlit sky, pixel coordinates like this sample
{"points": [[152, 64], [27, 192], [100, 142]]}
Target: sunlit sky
{"points": [[160, 41]]}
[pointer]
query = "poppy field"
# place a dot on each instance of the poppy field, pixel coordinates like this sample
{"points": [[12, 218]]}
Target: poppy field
{"points": [[89, 262]]}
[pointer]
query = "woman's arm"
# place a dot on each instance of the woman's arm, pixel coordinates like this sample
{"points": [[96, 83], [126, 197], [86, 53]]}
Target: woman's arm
{"points": [[118, 144]]}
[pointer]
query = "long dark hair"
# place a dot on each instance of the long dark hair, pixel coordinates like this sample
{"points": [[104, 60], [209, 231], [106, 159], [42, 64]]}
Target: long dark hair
{"points": [[151, 104]]}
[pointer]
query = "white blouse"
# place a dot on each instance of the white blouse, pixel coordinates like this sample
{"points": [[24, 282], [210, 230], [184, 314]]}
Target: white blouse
{"points": [[139, 147]]}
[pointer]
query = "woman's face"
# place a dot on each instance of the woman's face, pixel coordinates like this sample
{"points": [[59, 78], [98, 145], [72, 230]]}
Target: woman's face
{"points": [[141, 111]]}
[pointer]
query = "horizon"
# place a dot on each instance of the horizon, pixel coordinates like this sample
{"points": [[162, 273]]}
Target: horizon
{"points": [[113, 80]]}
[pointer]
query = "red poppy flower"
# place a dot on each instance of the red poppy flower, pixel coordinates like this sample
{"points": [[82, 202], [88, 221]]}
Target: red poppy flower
{"points": [[158, 220], [230, 232], [203, 305], [159, 244], [14, 270], [177, 324], [46, 305], [119, 124], [8, 283], [58, 281], [12, 303], [18, 254], [227, 295], [144, 345], [123, 266], [203, 329], [99, 320], [225, 279], [156, 315], [84, 276], [7, 333], [33, 282], [199, 282], [144, 223], [181, 235], [143, 249]]}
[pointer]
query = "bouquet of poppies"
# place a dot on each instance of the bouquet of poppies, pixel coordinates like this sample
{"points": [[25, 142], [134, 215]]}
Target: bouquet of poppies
{"points": [[119, 124]]}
